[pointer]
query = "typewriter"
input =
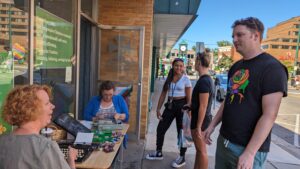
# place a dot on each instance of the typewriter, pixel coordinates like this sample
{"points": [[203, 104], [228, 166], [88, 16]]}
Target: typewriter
{"points": [[84, 151]]}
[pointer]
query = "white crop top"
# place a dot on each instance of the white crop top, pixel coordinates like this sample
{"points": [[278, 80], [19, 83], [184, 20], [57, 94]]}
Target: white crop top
{"points": [[179, 87]]}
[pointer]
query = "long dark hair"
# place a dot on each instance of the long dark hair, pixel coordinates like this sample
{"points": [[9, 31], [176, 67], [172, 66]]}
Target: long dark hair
{"points": [[171, 74]]}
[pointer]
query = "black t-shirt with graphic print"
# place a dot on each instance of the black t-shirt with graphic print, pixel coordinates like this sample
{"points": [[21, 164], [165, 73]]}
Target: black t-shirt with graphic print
{"points": [[248, 82], [203, 85]]}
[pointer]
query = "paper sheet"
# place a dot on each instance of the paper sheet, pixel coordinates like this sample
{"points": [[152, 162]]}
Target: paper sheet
{"points": [[84, 138], [87, 124]]}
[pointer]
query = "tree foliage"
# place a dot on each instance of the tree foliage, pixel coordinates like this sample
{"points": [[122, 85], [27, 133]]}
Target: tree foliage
{"points": [[289, 65], [215, 55], [224, 63], [194, 48], [224, 43]]}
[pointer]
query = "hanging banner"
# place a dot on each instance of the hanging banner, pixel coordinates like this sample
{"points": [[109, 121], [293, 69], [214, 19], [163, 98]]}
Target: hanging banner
{"points": [[53, 40]]}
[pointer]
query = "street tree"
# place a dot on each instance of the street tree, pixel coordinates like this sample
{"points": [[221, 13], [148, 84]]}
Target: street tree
{"points": [[224, 43], [225, 63], [194, 48]]}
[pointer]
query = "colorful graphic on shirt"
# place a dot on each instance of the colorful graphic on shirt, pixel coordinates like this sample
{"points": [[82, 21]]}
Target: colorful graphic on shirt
{"points": [[238, 84]]}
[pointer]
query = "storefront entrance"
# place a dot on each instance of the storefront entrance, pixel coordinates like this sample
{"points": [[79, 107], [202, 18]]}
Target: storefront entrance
{"points": [[121, 58], [88, 58]]}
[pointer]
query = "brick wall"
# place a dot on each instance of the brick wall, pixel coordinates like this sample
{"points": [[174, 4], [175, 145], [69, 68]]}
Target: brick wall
{"points": [[275, 36], [128, 13]]}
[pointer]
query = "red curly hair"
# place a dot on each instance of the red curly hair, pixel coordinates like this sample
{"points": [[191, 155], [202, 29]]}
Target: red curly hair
{"points": [[22, 104]]}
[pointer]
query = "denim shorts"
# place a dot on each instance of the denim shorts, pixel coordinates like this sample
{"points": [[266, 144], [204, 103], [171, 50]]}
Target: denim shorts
{"points": [[227, 155]]}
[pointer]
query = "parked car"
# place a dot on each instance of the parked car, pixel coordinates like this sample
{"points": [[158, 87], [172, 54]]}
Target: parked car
{"points": [[221, 86]]}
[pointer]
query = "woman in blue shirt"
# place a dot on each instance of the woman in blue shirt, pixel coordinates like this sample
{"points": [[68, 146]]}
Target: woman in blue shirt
{"points": [[107, 105]]}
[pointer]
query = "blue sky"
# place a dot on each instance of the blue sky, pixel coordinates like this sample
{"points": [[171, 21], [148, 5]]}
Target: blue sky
{"points": [[215, 18]]}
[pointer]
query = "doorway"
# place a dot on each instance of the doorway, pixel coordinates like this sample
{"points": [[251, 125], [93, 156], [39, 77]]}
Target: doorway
{"points": [[87, 67], [121, 59]]}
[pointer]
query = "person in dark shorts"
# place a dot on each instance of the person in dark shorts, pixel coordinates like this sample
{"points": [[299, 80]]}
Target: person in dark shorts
{"points": [[202, 97]]}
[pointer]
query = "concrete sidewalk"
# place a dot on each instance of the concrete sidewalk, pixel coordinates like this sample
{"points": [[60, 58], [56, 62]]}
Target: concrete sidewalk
{"points": [[134, 156]]}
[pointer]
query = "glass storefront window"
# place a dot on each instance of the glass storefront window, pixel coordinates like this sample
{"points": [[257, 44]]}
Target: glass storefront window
{"points": [[13, 49], [54, 51]]}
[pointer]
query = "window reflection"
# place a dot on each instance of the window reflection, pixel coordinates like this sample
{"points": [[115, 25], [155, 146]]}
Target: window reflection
{"points": [[13, 48], [13, 43], [54, 50]]}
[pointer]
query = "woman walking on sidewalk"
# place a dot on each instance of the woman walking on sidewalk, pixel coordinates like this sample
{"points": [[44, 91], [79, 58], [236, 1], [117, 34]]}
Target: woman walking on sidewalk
{"points": [[201, 105], [178, 87]]}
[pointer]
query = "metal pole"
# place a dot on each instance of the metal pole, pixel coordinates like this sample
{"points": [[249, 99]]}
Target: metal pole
{"points": [[297, 49], [296, 137], [9, 27], [10, 53]]}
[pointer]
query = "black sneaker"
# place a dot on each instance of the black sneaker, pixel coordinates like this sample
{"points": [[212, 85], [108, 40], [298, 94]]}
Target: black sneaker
{"points": [[179, 162], [156, 155]]}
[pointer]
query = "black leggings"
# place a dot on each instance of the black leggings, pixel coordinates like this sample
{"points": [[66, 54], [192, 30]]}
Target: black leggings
{"points": [[167, 119]]}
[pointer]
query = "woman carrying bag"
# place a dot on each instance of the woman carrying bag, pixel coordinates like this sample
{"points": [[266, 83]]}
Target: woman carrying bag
{"points": [[202, 97]]}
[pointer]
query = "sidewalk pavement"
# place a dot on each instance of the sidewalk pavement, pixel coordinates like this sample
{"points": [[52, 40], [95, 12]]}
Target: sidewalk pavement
{"points": [[134, 155]]}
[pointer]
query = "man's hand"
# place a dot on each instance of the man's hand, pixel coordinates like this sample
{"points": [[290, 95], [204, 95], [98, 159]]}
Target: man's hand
{"points": [[245, 161], [207, 133], [158, 114]]}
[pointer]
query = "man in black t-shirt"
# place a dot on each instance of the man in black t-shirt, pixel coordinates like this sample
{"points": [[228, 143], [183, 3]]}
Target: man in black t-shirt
{"points": [[256, 85]]}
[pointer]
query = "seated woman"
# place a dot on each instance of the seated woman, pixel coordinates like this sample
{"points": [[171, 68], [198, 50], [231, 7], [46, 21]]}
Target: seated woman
{"points": [[29, 109], [107, 105]]}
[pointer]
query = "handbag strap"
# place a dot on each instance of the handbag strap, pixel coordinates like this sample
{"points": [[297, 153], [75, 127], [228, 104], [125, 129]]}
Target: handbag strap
{"points": [[172, 90]]}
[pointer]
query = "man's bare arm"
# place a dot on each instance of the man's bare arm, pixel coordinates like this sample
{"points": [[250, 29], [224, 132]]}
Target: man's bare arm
{"points": [[270, 107]]}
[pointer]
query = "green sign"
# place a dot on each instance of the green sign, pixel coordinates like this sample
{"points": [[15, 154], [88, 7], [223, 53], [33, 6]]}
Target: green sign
{"points": [[6, 84], [53, 40]]}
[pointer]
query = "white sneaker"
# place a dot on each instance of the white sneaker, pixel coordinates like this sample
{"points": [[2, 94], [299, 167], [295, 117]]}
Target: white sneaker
{"points": [[156, 155], [179, 162]]}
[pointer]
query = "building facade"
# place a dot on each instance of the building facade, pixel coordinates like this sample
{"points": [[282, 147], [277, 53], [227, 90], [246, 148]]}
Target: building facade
{"points": [[74, 45], [281, 40], [189, 58]]}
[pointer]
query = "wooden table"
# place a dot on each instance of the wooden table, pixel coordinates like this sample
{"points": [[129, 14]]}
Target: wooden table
{"points": [[100, 159]]}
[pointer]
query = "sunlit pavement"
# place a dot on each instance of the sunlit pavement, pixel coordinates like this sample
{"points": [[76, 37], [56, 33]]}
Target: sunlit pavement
{"points": [[278, 158], [283, 155]]}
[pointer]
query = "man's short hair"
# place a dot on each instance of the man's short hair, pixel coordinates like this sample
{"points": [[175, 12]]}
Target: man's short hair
{"points": [[252, 23]]}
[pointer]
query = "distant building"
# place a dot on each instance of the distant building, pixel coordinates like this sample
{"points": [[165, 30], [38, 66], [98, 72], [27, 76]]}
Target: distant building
{"points": [[189, 58], [281, 40], [14, 22], [224, 51], [191, 54], [235, 56]]}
